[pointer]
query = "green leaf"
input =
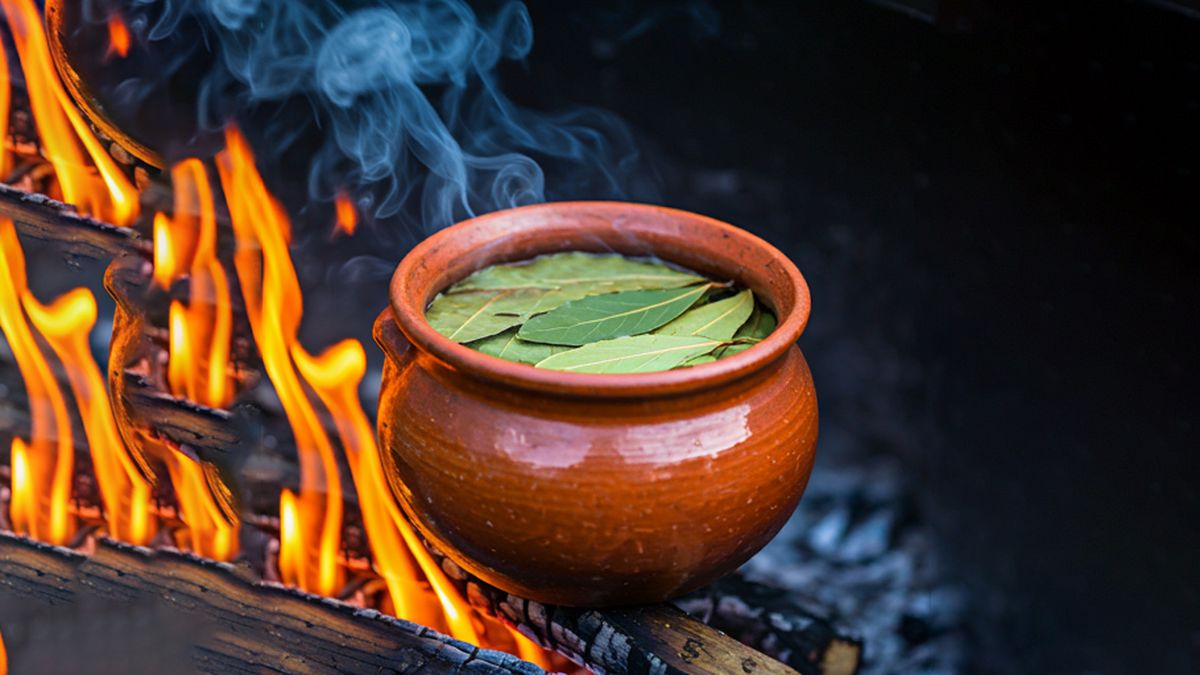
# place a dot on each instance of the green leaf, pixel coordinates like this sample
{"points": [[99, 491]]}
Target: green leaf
{"points": [[633, 354], [759, 325], [579, 274], [718, 320], [508, 346], [698, 360], [602, 317], [468, 317]]}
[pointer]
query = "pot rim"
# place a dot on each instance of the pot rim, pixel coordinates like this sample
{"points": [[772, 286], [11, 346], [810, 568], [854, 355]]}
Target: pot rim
{"points": [[408, 300]]}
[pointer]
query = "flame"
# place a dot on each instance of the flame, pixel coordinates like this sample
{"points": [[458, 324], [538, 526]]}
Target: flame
{"points": [[274, 305], [166, 268], [199, 334], [24, 503], [209, 532], [291, 546], [335, 376], [118, 35], [109, 196], [41, 510], [347, 217], [531, 651], [3, 657], [66, 324], [5, 105]]}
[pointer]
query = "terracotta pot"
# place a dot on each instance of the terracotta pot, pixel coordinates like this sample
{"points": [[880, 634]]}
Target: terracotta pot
{"points": [[595, 490]]}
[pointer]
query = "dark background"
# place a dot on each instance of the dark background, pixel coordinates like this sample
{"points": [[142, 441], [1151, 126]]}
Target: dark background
{"points": [[996, 211]]}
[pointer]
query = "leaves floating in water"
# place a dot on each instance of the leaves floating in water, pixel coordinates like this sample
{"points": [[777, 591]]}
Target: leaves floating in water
{"points": [[758, 326], [633, 354], [603, 317], [717, 320], [508, 346], [470, 316], [583, 273], [589, 313]]}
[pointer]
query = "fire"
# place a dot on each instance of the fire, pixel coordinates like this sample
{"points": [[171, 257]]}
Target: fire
{"points": [[42, 484], [274, 305], [118, 35], [65, 136], [335, 376], [199, 333], [3, 657], [347, 217], [209, 531], [5, 105], [66, 324]]}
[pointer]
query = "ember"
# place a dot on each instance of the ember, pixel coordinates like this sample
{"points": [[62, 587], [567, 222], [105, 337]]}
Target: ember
{"points": [[118, 36]]}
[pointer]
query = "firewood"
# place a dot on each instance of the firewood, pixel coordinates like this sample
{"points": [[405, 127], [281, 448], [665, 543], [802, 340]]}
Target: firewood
{"points": [[654, 639], [242, 627], [40, 217]]}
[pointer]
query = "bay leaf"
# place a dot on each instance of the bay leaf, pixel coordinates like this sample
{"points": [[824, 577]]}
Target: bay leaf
{"points": [[717, 320], [760, 324], [467, 317], [579, 274], [603, 317], [631, 354], [698, 360], [508, 346]]}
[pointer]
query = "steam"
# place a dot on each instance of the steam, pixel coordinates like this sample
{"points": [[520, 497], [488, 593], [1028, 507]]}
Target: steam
{"points": [[399, 104]]}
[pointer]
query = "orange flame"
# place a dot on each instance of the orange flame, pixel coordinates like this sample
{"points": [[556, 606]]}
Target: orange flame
{"points": [[209, 532], [166, 267], [5, 105], [118, 35], [199, 334], [347, 217], [335, 376], [42, 495], [3, 658], [109, 196], [291, 545], [66, 324], [274, 306], [531, 651]]}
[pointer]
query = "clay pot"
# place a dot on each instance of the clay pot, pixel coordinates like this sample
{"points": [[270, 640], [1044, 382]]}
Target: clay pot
{"points": [[584, 489]]}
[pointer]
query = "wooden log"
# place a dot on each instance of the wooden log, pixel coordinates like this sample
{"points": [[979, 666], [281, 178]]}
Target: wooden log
{"points": [[758, 615], [241, 626], [40, 217], [653, 639]]}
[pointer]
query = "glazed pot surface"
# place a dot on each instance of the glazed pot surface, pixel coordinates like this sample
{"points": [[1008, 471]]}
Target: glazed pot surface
{"points": [[595, 490]]}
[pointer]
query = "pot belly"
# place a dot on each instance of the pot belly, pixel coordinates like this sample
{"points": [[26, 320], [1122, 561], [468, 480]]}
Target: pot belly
{"points": [[597, 502]]}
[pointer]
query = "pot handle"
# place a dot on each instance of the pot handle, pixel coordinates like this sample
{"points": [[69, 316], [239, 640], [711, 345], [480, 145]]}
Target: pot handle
{"points": [[389, 338]]}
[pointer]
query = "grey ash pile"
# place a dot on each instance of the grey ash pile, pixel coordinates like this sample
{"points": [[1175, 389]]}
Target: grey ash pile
{"points": [[857, 552]]}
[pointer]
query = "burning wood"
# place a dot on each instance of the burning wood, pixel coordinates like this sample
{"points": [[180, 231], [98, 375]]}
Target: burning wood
{"points": [[40, 217], [249, 626]]}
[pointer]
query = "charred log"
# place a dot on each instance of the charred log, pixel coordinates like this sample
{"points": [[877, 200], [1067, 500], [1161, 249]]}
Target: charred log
{"points": [[39, 217], [247, 627], [804, 638]]}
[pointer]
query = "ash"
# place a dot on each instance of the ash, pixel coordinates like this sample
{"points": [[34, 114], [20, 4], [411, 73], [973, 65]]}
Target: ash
{"points": [[857, 549]]}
